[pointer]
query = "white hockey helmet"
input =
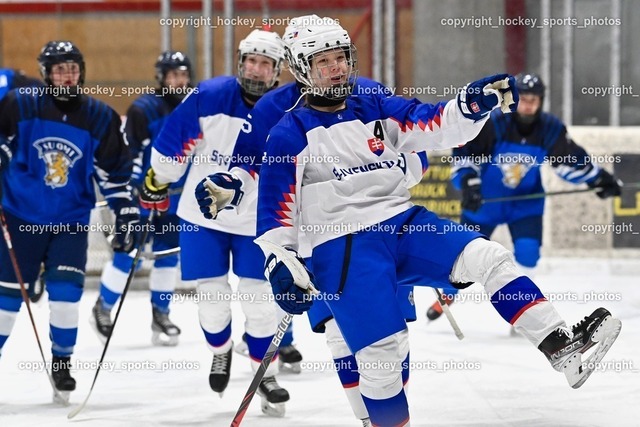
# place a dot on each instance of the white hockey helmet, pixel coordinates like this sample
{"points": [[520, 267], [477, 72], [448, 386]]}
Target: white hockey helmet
{"points": [[308, 35], [265, 43]]}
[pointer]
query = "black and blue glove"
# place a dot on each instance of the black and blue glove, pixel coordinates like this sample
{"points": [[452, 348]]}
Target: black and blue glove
{"points": [[478, 98], [289, 296], [609, 185], [471, 194]]}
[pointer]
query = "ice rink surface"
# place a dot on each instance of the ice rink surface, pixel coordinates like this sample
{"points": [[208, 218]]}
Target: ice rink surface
{"points": [[488, 379]]}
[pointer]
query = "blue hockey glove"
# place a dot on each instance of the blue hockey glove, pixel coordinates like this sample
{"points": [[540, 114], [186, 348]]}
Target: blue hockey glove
{"points": [[127, 227], [478, 98], [154, 196], [471, 195], [218, 191], [290, 297], [609, 185]]}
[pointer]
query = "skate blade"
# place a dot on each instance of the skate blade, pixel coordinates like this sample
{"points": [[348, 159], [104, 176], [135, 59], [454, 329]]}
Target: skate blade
{"points": [[575, 370], [272, 409], [94, 326], [292, 368], [61, 397], [242, 349], [164, 340]]}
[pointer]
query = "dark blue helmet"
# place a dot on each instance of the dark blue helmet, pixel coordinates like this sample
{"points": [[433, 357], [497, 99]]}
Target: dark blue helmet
{"points": [[57, 52], [171, 60], [530, 83]]}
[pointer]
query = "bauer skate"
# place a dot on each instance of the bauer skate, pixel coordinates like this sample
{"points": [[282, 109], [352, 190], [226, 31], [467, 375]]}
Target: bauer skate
{"points": [[62, 379], [289, 359], [565, 348], [164, 331], [220, 372], [273, 397], [101, 321]]}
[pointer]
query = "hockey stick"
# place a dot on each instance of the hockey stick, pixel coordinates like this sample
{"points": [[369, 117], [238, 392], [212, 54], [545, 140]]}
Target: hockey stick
{"points": [[132, 273], [25, 298], [266, 361], [551, 193], [447, 312]]}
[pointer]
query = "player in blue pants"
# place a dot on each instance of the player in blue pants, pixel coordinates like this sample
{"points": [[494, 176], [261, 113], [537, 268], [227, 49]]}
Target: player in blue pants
{"points": [[145, 118]]}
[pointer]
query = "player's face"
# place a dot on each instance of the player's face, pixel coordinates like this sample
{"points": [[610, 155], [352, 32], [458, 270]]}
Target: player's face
{"points": [[65, 74], [258, 67], [177, 78], [330, 68], [528, 104]]}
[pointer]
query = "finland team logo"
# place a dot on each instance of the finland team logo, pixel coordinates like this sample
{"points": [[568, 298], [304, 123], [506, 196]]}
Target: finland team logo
{"points": [[59, 155], [514, 167]]}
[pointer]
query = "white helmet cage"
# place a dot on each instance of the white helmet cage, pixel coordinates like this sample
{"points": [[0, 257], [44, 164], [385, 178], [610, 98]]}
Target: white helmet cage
{"points": [[265, 43], [306, 36]]}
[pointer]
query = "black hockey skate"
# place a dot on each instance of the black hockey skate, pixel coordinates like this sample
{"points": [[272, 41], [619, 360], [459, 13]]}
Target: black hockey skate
{"points": [[101, 321], [366, 422], [62, 379], [273, 397], [220, 371], [164, 331], [435, 310], [564, 348], [289, 359]]}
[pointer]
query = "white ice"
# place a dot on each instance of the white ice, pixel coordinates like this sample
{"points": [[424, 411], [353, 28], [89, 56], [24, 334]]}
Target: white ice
{"points": [[495, 380]]}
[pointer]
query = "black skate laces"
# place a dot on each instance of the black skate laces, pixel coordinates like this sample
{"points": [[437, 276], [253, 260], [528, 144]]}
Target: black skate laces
{"points": [[219, 365], [270, 383]]}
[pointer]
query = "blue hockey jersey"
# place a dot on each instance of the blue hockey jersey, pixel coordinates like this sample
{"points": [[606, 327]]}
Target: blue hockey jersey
{"points": [[508, 162], [57, 155]]}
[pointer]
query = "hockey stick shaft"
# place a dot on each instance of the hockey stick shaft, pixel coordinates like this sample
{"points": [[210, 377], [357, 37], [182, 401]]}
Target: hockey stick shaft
{"points": [[266, 361], [132, 273], [447, 312], [551, 193], [25, 297]]}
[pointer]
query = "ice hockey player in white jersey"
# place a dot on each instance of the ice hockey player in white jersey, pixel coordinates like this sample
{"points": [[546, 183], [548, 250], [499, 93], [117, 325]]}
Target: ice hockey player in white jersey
{"points": [[383, 238], [200, 136]]}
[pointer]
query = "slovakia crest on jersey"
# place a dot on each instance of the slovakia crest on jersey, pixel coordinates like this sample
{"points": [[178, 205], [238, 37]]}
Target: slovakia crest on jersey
{"points": [[376, 146], [59, 155]]}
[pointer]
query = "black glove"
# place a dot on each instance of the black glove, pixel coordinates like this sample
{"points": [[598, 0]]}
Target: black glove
{"points": [[609, 185], [154, 196], [471, 195], [127, 226]]}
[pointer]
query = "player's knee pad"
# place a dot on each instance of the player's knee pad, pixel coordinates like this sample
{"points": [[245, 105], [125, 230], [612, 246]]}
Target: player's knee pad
{"points": [[377, 379], [64, 291], [258, 306], [335, 341], [214, 303], [527, 251], [163, 279], [485, 262]]}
